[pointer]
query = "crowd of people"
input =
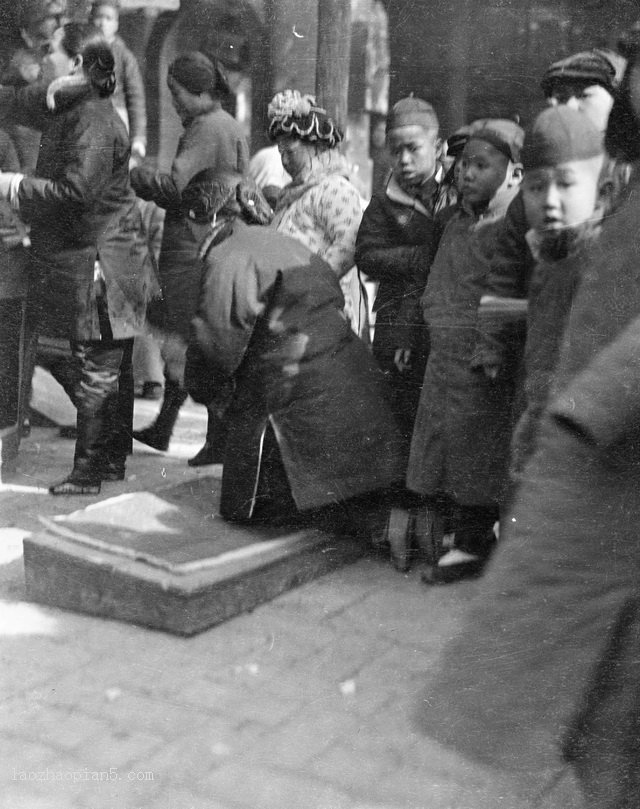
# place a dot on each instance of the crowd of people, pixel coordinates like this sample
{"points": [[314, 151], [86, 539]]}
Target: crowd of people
{"points": [[494, 414]]}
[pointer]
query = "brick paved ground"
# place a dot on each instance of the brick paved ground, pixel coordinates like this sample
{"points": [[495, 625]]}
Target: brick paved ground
{"points": [[306, 703]]}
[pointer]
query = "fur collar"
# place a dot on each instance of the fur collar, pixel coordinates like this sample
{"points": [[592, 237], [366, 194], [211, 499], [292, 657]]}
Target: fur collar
{"points": [[396, 193]]}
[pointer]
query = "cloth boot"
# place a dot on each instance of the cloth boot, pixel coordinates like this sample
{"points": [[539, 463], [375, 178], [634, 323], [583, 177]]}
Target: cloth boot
{"points": [[215, 441], [158, 434], [118, 438], [96, 399]]}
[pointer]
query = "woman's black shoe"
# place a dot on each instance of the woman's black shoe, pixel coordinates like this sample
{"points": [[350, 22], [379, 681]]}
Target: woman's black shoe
{"points": [[209, 454], [69, 486], [153, 438]]}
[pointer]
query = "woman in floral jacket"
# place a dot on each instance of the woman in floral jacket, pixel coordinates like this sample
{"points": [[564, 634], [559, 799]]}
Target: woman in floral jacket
{"points": [[320, 207]]}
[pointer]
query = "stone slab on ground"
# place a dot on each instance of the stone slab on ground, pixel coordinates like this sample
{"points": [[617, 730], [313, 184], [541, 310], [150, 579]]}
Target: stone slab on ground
{"points": [[168, 561]]}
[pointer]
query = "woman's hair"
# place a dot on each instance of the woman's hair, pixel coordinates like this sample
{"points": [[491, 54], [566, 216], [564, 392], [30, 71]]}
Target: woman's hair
{"points": [[198, 74], [294, 115], [97, 59], [211, 192], [622, 140]]}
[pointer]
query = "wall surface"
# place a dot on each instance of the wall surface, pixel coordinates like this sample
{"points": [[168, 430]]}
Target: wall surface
{"points": [[477, 58]]}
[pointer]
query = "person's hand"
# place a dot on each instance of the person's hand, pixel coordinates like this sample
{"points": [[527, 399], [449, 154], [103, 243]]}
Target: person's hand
{"points": [[9, 187], [138, 152], [6, 178], [138, 149], [402, 359]]}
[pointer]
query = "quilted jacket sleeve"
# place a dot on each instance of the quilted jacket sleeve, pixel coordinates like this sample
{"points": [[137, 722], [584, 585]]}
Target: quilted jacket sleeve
{"points": [[87, 170]]}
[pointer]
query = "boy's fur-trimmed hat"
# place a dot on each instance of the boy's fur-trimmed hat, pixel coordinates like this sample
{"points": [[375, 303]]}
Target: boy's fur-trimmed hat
{"points": [[558, 135], [502, 133], [456, 142], [412, 111], [597, 66]]}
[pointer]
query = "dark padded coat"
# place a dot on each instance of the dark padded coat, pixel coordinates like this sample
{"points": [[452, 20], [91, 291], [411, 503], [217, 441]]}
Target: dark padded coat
{"points": [[460, 444], [81, 208], [211, 140], [552, 289], [270, 319], [397, 240]]}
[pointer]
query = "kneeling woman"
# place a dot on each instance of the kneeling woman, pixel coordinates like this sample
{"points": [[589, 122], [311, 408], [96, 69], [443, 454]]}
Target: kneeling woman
{"points": [[309, 426]]}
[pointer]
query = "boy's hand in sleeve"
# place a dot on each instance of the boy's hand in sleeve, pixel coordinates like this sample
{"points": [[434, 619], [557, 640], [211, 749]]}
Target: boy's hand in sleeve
{"points": [[402, 359]]}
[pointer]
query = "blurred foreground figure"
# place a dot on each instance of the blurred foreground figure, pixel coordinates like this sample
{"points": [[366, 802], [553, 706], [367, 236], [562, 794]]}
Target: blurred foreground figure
{"points": [[309, 429]]}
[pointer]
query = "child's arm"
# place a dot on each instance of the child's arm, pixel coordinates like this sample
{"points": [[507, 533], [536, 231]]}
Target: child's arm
{"points": [[507, 280]]}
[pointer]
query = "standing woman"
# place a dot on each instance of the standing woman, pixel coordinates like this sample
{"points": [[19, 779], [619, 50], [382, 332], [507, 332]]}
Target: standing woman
{"points": [[89, 264], [320, 207], [212, 139]]}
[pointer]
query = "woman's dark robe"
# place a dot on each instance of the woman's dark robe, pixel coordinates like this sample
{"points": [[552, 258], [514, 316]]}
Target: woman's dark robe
{"points": [[270, 320]]}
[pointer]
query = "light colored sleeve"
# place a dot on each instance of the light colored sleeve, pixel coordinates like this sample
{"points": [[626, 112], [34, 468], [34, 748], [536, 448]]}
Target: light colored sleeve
{"points": [[339, 210]]}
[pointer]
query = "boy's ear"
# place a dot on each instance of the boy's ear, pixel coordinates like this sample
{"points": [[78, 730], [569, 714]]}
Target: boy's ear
{"points": [[77, 63], [438, 145], [517, 173]]}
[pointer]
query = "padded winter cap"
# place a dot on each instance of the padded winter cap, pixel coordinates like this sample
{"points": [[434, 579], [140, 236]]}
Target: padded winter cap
{"points": [[456, 142], [558, 135], [195, 72], [597, 66], [502, 133], [96, 4], [412, 111]]}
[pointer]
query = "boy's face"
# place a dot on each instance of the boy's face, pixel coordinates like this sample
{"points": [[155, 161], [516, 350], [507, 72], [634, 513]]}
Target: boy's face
{"points": [[484, 170], [591, 99], [562, 196], [415, 152], [186, 104], [105, 19]]}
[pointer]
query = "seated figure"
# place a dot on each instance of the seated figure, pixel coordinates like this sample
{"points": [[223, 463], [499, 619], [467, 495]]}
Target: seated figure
{"points": [[310, 431]]}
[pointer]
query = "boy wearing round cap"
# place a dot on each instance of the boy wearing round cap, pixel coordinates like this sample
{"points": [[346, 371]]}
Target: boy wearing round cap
{"points": [[396, 242], [588, 82], [460, 445], [563, 158], [128, 99]]}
